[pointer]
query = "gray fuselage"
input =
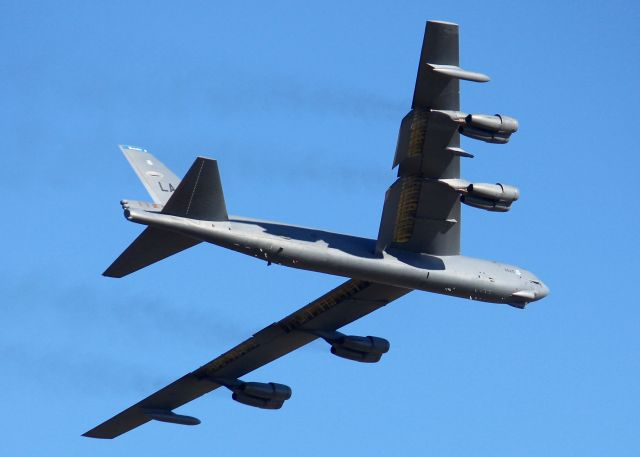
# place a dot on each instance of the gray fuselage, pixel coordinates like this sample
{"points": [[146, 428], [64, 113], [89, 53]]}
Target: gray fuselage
{"points": [[354, 257]]}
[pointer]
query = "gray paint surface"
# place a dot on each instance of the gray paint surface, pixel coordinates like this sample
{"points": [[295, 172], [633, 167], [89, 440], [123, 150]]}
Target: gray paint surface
{"points": [[417, 247]]}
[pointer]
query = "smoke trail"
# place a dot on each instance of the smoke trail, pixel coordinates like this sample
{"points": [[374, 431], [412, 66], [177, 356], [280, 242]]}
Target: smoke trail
{"points": [[64, 370]]}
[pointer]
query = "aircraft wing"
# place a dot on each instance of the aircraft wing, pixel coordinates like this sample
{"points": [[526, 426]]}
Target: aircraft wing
{"points": [[421, 213], [344, 304]]}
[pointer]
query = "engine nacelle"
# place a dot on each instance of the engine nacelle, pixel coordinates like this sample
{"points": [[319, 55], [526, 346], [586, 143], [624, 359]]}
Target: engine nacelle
{"points": [[482, 203], [495, 191], [492, 129], [491, 197], [367, 349], [262, 395], [495, 123]]}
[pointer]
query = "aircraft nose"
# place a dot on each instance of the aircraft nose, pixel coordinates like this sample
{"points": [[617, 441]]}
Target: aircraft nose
{"points": [[542, 291]]}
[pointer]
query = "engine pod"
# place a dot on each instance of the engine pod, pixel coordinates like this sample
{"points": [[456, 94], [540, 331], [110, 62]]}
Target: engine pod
{"points": [[496, 123], [494, 192], [269, 395], [488, 205], [367, 349], [269, 390], [491, 129]]}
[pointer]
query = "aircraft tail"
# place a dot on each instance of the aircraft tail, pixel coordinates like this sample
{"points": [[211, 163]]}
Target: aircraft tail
{"points": [[198, 196], [151, 246], [159, 181]]}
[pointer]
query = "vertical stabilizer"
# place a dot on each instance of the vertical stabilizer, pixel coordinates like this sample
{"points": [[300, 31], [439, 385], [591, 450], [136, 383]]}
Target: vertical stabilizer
{"points": [[159, 181]]}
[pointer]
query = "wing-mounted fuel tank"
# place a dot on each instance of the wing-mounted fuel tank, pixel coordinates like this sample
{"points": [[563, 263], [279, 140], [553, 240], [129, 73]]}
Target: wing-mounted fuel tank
{"points": [[265, 395], [367, 349]]}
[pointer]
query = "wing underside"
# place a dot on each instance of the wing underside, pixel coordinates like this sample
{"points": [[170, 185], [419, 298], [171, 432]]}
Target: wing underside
{"points": [[421, 213], [344, 304]]}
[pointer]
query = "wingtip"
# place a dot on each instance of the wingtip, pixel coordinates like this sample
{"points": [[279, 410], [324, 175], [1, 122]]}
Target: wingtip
{"points": [[109, 274], [90, 435], [128, 147]]}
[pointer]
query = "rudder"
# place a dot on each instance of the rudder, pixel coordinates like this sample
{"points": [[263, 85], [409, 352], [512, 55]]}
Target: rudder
{"points": [[159, 181]]}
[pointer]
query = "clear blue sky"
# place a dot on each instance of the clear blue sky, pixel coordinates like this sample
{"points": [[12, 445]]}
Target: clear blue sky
{"points": [[301, 102]]}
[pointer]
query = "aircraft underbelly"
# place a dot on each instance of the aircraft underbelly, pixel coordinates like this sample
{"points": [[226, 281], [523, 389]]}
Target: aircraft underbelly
{"points": [[351, 257], [450, 275]]}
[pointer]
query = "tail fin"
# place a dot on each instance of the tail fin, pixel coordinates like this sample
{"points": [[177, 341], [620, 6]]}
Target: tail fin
{"points": [[198, 196], [159, 181]]}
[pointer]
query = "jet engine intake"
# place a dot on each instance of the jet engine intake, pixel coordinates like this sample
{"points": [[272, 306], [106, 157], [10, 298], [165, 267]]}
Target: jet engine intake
{"points": [[491, 197], [492, 129], [262, 395]]}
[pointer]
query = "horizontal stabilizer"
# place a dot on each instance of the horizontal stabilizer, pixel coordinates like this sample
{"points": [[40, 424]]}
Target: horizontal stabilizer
{"points": [[152, 245], [145, 206], [199, 194]]}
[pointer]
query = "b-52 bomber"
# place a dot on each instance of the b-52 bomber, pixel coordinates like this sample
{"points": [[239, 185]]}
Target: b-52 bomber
{"points": [[418, 244]]}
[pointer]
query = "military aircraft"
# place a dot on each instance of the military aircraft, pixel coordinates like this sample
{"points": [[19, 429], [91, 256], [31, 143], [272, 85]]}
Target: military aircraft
{"points": [[418, 244]]}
